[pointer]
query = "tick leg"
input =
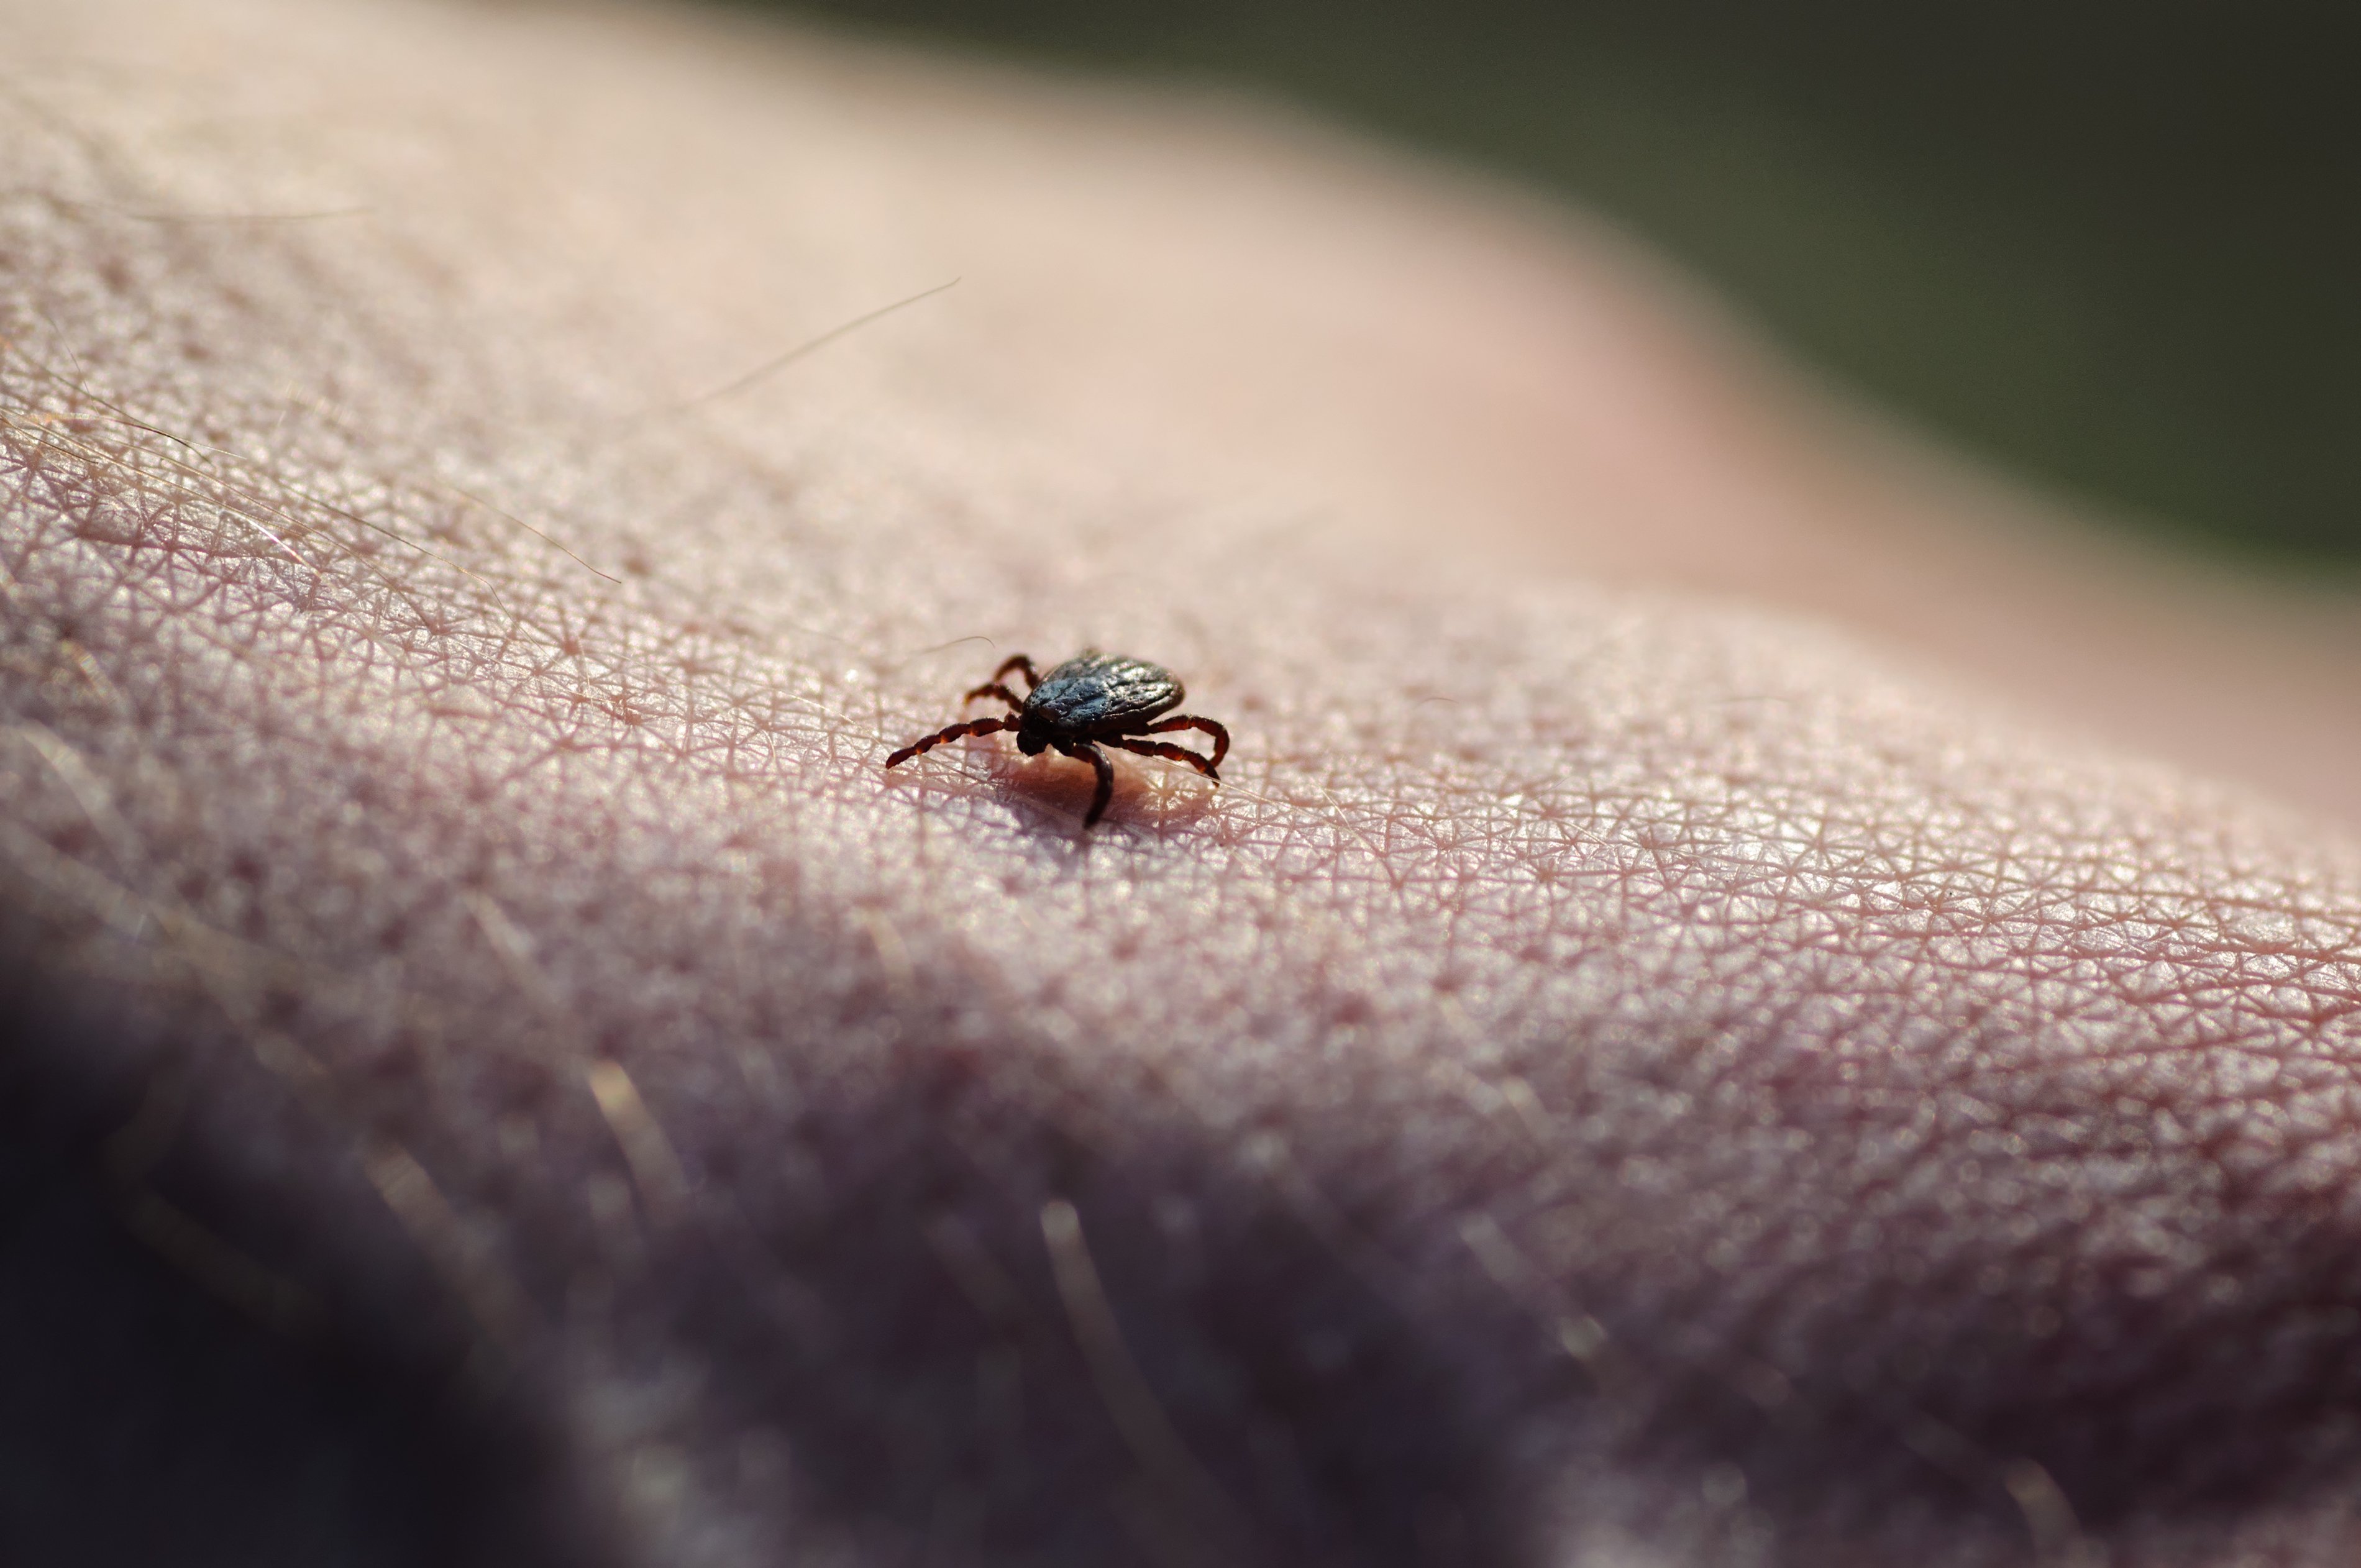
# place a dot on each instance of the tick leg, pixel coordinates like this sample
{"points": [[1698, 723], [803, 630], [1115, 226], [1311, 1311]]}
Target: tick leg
{"points": [[1170, 753], [980, 726], [1018, 661], [1191, 722], [994, 688], [1105, 769]]}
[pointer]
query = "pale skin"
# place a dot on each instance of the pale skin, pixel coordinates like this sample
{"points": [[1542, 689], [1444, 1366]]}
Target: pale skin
{"points": [[1677, 1040]]}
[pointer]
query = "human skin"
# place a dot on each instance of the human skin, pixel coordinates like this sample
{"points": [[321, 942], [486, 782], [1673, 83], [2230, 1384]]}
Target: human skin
{"points": [[1671, 1042]]}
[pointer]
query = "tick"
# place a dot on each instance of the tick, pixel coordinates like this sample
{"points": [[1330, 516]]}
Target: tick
{"points": [[1093, 699]]}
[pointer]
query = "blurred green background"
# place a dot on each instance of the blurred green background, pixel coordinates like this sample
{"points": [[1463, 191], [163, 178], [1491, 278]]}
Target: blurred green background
{"points": [[2113, 246]]}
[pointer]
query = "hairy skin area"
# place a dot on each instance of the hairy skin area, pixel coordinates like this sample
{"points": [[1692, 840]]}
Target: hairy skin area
{"points": [[1606, 1079]]}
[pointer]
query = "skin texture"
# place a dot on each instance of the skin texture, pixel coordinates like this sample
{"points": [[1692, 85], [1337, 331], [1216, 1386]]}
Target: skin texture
{"points": [[1616, 1075]]}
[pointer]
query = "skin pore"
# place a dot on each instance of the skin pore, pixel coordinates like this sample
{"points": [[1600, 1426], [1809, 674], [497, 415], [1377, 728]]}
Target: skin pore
{"points": [[1640, 1061]]}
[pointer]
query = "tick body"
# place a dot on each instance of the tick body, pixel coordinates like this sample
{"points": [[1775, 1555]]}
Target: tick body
{"points": [[1091, 700]]}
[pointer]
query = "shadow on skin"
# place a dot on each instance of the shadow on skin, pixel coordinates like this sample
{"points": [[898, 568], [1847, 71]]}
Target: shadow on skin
{"points": [[940, 1382], [1053, 791], [199, 1366], [864, 1304]]}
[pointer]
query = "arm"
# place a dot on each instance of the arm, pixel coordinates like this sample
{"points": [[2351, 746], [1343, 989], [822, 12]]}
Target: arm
{"points": [[1603, 1067]]}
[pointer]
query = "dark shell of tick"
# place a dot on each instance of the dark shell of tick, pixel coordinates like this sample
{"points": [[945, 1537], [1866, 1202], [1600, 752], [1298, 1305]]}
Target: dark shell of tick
{"points": [[1095, 693]]}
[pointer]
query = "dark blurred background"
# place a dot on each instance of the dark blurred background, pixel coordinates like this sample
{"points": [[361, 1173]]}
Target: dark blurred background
{"points": [[2110, 244]]}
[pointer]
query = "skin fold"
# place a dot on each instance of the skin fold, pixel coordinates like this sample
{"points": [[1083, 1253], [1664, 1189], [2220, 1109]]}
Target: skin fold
{"points": [[1745, 998]]}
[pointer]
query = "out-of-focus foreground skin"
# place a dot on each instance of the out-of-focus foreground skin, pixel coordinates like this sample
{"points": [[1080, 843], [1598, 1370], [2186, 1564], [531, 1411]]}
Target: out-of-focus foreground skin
{"points": [[497, 1072]]}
